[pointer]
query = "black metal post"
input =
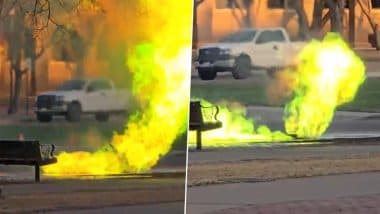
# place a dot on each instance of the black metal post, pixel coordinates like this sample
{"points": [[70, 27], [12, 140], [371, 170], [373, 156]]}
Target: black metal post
{"points": [[199, 140], [37, 172]]}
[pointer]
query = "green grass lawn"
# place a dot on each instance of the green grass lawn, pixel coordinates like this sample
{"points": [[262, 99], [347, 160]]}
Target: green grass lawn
{"points": [[254, 93], [87, 135], [367, 98], [84, 134]]}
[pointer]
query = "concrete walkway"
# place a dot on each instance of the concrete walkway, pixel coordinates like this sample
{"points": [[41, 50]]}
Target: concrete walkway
{"points": [[356, 204], [206, 199], [163, 208]]}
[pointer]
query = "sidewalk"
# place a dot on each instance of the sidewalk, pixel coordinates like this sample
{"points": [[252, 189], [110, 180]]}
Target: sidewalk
{"points": [[337, 192], [359, 204]]}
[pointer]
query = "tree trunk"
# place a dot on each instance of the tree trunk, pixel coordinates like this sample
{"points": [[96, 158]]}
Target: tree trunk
{"points": [[10, 90], [17, 90], [316, 25], [303, 32], [195, 26], [336, 18], [33, 79], [247, 17], [18, 73], [80, 67]]}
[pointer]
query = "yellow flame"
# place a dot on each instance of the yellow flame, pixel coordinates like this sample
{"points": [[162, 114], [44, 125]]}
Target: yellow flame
{"points": [[159, 56], [329, 75], [237, 129]]}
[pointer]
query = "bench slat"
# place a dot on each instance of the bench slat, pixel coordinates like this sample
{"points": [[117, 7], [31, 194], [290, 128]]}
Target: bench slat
{"points": [[20, 149], [28, 152], [197, 123]]}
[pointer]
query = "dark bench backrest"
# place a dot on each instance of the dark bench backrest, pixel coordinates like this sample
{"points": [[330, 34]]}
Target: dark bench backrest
{"points": [[196, 112], [28, 149]]}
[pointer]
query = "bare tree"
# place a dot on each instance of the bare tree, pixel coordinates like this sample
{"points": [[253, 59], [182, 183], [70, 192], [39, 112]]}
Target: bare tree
{"points": [[335, 15], [336, 8], [31, 53], [244, 7], [303, 32], [71, 47], [24, 20], [316, 24], [195, 22], [14, 35], [247, 18]]}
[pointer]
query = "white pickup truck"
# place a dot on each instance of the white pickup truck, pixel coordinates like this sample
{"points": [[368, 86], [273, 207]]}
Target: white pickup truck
{"points": [[263, 48], [81, 96]]}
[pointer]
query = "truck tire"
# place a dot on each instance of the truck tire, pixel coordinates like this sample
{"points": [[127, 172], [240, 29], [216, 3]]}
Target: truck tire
{"points": [[206, 74], [271, 72], [102, 117], [242, 67], [74, 111], [44, 118]]}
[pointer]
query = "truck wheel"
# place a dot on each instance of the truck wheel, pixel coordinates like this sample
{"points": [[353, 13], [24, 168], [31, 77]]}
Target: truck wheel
{"points": [[271, 72], [206, 74], [102, 117], [74, 111], [44, 118], [242, 67]]}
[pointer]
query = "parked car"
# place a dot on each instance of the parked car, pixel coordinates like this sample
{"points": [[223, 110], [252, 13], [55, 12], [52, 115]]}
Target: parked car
{"points": [[240, 52], [81, 96]]}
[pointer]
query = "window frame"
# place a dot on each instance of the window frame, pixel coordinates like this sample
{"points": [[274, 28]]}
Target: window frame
{"points": [[257, 42], [377, 7]]}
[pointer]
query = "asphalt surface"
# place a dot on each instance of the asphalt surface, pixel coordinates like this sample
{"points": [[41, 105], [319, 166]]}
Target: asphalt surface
{"points": [[208, 199]]}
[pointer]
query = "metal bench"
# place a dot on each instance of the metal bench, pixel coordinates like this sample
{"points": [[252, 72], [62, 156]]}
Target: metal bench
{"points": [[26, 152], [203, 118]]}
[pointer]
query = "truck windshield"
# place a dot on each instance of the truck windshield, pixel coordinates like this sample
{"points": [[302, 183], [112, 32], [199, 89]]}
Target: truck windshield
{"points": [[72, 85], [241, 36]]}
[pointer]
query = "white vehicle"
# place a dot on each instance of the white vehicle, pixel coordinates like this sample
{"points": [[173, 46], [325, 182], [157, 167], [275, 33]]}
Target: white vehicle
{"points": [[81, 96], [265, 48]]}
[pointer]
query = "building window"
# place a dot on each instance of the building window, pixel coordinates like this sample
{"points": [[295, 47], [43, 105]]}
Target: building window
{"points": [[280, 4], [375, 4], [228, 4], [270, 36], [346, 5], [276, 4]]}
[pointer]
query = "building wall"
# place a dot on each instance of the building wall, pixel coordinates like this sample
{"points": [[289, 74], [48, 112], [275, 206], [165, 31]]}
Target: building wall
{"points": [[214, 22]]}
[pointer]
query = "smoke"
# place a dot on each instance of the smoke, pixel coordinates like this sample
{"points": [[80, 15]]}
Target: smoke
{"points": [[157, 35]]}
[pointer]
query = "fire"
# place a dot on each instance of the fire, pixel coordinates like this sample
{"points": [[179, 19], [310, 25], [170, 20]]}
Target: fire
{"points": [[237, 128], [329, 75], [159, 56]]}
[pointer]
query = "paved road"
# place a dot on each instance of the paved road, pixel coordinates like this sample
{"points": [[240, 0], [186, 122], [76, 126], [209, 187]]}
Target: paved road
{"points": [[217, 197]]}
